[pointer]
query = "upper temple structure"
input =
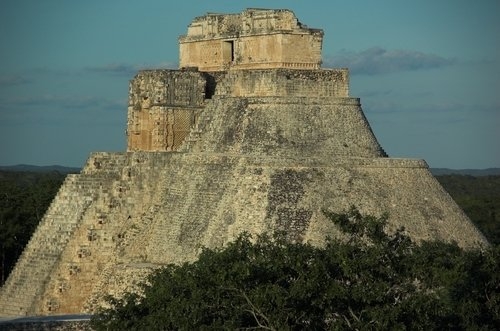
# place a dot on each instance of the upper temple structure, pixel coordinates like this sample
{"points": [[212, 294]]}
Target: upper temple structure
{"points": [[163, 105], [254, 39], [250, 134]]}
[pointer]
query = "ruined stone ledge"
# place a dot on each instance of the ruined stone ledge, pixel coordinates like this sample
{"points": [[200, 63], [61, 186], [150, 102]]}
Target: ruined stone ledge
{"points": [[359, 162], [274, 65], [165, 106], [161, 159], [246, 23], [317, 74], [41, 323], [264, 33], [163, 72], [296, 100]]}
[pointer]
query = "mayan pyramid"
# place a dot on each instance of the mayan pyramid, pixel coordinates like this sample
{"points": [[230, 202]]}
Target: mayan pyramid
{"points": [[250, 134]]}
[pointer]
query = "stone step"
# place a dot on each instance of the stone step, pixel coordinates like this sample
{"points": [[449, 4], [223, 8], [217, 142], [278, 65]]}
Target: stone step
{"points": [[46, 245]]}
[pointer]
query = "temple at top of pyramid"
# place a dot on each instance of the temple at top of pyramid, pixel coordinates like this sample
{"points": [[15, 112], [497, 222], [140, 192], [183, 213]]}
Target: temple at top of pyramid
{"points": [[252, 39], [258, 53], [250, 134]]}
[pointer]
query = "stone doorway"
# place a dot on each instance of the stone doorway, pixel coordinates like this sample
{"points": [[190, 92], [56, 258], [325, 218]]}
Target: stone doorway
{"points": [[228, 51]]}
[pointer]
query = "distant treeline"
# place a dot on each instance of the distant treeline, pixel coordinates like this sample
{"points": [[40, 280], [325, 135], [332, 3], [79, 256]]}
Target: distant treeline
{"points": [[466, 172], [479, 197], [25, 196]]}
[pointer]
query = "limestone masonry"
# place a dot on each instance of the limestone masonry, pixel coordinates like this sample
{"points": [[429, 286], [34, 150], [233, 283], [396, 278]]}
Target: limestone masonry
{"points": [[248, 135]]}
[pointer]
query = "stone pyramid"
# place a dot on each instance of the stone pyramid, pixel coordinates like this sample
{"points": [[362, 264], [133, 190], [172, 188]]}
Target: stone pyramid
{"points": [[249, 135]]}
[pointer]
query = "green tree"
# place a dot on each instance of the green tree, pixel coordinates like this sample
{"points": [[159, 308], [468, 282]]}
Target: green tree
{"points": [[366, 280]]}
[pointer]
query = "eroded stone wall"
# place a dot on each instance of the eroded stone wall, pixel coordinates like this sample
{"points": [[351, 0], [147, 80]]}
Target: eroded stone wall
{"points": [[325, 128]]}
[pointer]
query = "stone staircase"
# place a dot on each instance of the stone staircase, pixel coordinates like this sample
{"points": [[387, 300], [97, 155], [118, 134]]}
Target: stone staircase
{"points": [[42, 255], [126, 182], [92, 243], [28, 279], [199, 127]]}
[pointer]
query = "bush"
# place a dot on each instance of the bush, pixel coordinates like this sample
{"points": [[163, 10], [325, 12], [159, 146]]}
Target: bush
{"points": [[370, 281]]}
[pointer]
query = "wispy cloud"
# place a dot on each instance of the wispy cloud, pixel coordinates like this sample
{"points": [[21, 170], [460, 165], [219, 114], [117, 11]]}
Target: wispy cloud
{"points": [[378, 60], [376, 93], [127, 69], [114, 69], [10, 80], [50, 71], [444, 111], [54, 111], [62, 102], [388, 106]]}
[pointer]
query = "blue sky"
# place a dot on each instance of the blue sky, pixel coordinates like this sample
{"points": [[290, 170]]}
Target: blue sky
{"points": [[427, 72]]}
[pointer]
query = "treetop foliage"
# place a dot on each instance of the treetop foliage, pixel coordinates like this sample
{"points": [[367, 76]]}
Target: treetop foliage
{"points": [[372, 280]]}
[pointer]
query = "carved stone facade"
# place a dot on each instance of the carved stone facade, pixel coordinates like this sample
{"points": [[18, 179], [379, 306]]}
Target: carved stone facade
{"points": [[212, 154], [253, 39], [163, 105]]}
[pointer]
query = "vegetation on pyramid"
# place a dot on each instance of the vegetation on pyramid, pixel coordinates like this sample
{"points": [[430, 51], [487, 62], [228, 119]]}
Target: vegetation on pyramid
{"points": [[369, 280]]}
